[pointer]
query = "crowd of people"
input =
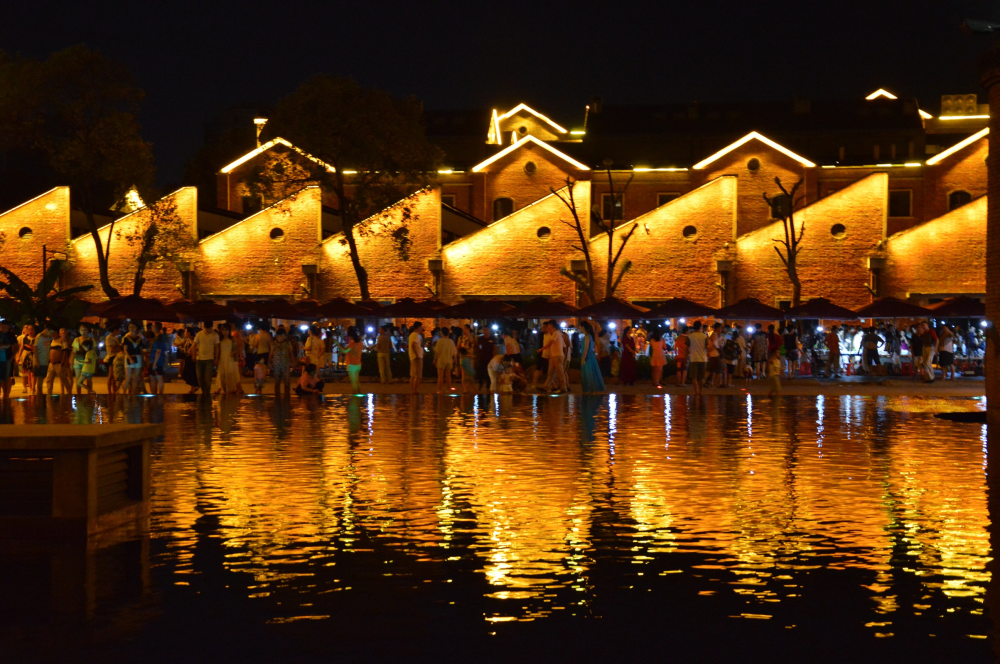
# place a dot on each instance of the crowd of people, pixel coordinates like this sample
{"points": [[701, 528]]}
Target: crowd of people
{"points": [[216, 359]]}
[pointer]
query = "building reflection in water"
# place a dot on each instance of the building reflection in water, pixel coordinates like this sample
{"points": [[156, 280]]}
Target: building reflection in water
{"points": [[538, 503]]}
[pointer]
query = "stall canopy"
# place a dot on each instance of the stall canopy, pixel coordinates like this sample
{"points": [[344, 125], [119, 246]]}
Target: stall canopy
{"points": [[678, 307], [890, 307], [749, 309], [959, 307], [472, 309], [820, 307], [408, 308], [541, 307], [340, 308], [612, 307], [134, 308], [205, 310]]}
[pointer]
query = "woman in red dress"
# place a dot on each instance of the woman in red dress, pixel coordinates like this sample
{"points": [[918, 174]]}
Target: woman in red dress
{"points": [[627, 373]]}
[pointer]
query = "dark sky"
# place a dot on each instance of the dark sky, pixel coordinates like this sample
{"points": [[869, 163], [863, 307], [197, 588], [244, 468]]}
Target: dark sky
{"points": [[197, 58]]}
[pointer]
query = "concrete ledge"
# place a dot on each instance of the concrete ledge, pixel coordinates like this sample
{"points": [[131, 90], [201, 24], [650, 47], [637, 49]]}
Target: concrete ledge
{"points": [[74, 436]]}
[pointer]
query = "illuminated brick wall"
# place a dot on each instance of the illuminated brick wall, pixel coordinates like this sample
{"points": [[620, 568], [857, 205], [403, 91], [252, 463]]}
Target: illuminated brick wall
{"points": [[944, 255], [665, 262], [163, 279], [512, 257], [507, 177], [828, 266], [389, 276], [24, 230], [964, 170], [244, 260]]}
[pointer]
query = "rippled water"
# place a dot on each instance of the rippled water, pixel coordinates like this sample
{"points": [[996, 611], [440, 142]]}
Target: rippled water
{"points": [[519, 528]]}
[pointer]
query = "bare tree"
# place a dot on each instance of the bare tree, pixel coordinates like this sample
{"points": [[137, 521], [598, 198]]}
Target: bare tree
{"points": [[608, 227], [783, 207]]}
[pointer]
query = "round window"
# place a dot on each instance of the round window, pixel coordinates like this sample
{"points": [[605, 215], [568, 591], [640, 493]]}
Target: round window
{"points": [[530, 168], [522, 130], [838, 231], [277, 234], [25, 233], [754, 164], [544, 233], [690, 232]]}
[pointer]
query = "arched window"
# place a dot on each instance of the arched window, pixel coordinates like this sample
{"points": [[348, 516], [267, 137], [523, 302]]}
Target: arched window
{"points": [[957, 199], [502, 207]]}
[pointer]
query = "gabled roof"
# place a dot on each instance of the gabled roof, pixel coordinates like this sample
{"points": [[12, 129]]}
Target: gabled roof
{"points": [[746, 139], [524, 107], [267, 146], [881, 92], [529, 138], [256, 214], [941, 156]]}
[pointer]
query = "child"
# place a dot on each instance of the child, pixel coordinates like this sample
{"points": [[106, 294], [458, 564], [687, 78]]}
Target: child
{"points": [[259, 374], [774, 371], [116, 362], [468, 370], [89, 366]]}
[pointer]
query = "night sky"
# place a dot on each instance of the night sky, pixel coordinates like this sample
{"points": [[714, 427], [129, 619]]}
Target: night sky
{"points": [[196, 59]]}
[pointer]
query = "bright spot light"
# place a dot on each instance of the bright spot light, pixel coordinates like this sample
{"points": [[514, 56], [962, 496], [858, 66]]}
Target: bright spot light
{"points": [[984, 324], [562, 324], [475, 323], [534, 331], [371, 329], [750, 328], [248, 326], [819, 328], [303, 327], [495, 327], [612, 326], [100, 345], [681, 320]]}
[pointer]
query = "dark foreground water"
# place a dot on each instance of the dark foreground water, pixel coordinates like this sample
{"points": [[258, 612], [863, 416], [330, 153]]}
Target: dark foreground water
{"points": [[526, 528]]}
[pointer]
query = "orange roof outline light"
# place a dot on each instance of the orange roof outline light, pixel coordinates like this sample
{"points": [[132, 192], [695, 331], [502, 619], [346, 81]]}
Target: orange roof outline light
{"points": [[525, 107], [940, 156], [924, 114], [746, 139], [495, 136], [530, 139], [267, 146], [881, 92]]}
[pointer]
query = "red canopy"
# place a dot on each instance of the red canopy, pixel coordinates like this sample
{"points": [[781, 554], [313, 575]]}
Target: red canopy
{"points": [[678, 307], [305, 305], [477, 309], [890, 307], [612, 307], [340, 308], [541, 307], [408, 308], [276, 308], [959, 307], [205, 310], [749, 309], [134, 308], [820, 307]]}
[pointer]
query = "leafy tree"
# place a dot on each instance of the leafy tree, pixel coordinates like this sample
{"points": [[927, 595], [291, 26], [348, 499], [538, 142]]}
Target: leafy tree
{"points": [[81, 115], [158, 233], [783, 207], [588, 281], [367, 149], [43, 302]]}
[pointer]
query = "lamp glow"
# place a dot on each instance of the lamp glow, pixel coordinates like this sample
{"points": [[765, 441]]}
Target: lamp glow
{"points": [[819, 328], [495, 327], [612, 325], [248, 326], [681, 320], [984, 324], [303, 327], [562, 324]]}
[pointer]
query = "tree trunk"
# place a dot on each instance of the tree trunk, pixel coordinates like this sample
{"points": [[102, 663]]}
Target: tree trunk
{"points": [[102, 258], [359, 269], [793, 276]]}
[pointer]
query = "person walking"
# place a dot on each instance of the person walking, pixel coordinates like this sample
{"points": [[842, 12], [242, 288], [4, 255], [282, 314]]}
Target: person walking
{"points": [[280, 360], [929, 341], [591, 380], [697, 356], [229, 368], [59, 362], [556, 347], [26, 358], [445, 351], [415, 349], [206, 352], [134, 345], [43, 349], [946, 356], [681, 355], [791, 341], [626, 375], [383, 353], [352, 354], [833, 347], [657, 358], [758, 351], [158, 361], [485, 350], [716, 365]]}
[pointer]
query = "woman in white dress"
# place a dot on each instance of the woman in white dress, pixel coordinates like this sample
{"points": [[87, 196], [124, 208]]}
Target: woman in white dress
{"points": [[229, 370]]}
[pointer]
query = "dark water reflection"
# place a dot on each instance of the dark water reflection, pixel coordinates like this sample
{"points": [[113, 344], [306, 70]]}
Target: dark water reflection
{"points": [[530, 528]]}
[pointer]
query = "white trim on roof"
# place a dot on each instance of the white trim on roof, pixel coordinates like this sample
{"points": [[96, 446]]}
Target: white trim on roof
{"points": [[524, 107], [746, 139], [881, 92], [32, 200], [267, 146], [940, 156], [529, 138]]}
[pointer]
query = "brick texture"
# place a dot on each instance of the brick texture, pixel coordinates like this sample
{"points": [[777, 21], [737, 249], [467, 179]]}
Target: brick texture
{"points": [[163, 279], [963, 171], [507, 177], [944, 255], [24, 230], [835, 268], [665, 262]]}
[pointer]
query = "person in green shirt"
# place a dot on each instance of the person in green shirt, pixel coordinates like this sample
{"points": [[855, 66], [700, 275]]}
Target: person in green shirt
{"points": [[89, 366]]}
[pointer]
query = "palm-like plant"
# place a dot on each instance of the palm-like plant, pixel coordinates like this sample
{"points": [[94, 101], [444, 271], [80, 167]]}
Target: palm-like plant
{"points": [[43, 302]]}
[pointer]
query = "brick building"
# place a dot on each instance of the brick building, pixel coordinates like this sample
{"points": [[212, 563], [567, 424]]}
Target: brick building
{"points": [[893, 200]]}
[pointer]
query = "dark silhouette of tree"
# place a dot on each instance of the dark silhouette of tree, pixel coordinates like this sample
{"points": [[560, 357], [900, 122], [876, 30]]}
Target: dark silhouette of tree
{"points": [[783, 207]]}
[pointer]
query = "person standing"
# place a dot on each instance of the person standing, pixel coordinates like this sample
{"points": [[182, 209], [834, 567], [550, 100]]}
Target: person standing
{"points": [[89, 367], [315, 349], [627, 373], [681, 358], [43, 348], [485, 348], [512, 346], [591, 380], [833, 347], [929, 340], [59, 361], [791, 341], [444, 359], [716, 365], [657, 358], [602, 349], [383, 352], [26, 358], [262, 343], [556, 347], [542, 357], [133, 343], [352, 353], [158, 359], [206, 347], [8, 351], [697, 356], [280, 360], [946, 356], [415, 349], [229, 369]]}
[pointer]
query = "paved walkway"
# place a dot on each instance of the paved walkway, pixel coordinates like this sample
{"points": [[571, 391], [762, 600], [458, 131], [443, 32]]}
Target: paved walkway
{"points": [[856, 385]]}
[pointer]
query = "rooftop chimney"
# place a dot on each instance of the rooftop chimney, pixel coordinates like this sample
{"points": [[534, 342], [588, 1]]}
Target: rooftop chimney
{"points": [[596, 104], [259, 124]]}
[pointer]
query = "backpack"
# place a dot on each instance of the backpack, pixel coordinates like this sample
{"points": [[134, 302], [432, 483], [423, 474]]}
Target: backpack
{"points": [[731, 350]]}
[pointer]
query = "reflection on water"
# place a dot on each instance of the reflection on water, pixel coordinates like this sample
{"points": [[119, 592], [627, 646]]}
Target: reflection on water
{"points": [[794, 522]]}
